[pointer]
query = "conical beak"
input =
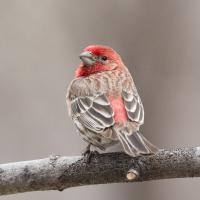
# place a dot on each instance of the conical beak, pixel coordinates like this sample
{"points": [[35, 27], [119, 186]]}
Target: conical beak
{"points": [[87, 58]]}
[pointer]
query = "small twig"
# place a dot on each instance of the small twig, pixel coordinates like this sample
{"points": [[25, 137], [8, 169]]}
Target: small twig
{"points": [[59, 172]]}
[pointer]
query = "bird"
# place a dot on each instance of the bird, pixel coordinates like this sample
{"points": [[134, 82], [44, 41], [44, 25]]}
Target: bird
{"points": [[104, 104]]}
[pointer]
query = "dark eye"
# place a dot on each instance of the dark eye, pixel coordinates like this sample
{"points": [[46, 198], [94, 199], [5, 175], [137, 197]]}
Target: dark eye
{"points": [[104, 58]]}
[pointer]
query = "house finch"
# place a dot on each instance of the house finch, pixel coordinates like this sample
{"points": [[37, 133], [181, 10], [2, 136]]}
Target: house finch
{"points": [[104, 103]]}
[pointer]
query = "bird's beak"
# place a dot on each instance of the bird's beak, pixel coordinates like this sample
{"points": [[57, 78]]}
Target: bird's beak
{"points": [[87, 58]]}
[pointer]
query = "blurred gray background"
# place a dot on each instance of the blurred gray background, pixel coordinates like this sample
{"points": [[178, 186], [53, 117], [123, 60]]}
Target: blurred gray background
{"points": [[40, 41]]}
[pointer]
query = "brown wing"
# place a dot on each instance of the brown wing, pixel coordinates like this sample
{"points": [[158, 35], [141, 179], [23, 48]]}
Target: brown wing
{"points": [[133, 106], [134, 143], [93, 112]]}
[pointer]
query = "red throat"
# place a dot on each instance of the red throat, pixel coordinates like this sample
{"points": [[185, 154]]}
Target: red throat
{"points": [[85, 71]]}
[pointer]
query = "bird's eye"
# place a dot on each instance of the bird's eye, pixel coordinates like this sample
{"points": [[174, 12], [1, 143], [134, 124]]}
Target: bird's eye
{"points": [[104, 58]]}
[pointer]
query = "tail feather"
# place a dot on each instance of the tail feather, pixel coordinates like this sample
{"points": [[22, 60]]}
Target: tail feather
{"points": [[136, 144]]}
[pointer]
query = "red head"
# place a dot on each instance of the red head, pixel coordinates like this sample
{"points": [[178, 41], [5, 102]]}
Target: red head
{"points": [[98, 58]]}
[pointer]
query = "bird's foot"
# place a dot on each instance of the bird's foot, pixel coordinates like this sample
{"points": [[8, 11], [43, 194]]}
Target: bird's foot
{"points": [[88, 154], [87, 157], [87, 150]]}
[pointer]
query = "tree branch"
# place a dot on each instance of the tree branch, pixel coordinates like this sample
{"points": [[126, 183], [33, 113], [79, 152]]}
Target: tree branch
{"points": [[59, 172]]}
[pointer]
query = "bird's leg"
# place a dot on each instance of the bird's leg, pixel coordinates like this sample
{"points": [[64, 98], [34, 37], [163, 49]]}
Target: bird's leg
{"points": [[87, 150], [88, 153]]}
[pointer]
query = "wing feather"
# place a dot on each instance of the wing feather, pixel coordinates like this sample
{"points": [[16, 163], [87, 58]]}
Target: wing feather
{"points": [[133, 106], [95, 113]]}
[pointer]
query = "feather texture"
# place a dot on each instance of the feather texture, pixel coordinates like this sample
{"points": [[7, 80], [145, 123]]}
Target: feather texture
{"points": [[95, 113], [133, 106], [135, 144]]}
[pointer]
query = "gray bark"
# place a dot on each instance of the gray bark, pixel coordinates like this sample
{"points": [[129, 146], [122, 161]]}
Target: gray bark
{"points": [[60, 172]]}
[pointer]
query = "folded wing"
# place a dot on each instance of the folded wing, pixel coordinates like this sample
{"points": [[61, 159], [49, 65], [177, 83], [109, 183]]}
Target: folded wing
{"points": [[133, 142], [93, 112], [133, 106]]}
